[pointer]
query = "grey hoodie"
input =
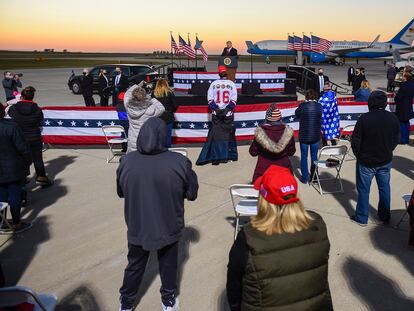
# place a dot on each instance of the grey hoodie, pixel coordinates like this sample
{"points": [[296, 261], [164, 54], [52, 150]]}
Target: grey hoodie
{"points": [[155, 182], [139, 112]]}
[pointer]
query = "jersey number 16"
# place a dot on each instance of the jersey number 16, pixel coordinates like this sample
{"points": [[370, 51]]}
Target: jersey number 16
{"points": [[223, 97]]}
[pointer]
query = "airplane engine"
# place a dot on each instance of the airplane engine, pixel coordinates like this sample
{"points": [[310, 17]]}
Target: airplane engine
{"points": [[318, 58]]}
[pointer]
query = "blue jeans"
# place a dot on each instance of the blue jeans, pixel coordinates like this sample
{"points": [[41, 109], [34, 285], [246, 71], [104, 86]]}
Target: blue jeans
{"points": [[364, 176], [12, 194], [304, 159], [405, 132]]}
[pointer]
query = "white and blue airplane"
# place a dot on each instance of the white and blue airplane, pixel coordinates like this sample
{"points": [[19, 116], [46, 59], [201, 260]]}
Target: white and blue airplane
{"points": [[400, 44]]}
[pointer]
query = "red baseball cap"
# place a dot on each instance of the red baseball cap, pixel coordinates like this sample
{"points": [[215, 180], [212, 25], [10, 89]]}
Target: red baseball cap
{"points": [[277, 186], [222, 69]]}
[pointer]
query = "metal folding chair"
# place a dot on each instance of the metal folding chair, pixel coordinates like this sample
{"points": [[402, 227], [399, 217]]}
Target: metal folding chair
{"points": [[183, 151], [15, 295], [244, 201], [406, 198], [5, 226], [339, 153], [115, 136], [346, 139]]}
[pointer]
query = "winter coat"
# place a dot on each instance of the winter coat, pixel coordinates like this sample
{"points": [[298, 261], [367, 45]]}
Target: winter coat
{"points": [[391, 73], [170, 105], [404, 101], [154, 183], [280, 272], [29, 117], [14, 153], [87, 85], [357, 82], [375, 136], [273, 144], [138, 113], [309, 114], [362, 95]]}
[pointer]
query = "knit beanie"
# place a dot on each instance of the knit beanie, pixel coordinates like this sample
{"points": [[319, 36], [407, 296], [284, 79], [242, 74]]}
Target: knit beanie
{"points": [[273, 114]]}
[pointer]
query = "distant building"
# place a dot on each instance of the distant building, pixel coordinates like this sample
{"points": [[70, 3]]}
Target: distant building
{"points": [[49, 50]]}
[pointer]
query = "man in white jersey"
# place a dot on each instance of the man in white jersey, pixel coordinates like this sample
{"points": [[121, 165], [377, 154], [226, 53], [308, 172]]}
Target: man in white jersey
{"points": [[220, 146]]}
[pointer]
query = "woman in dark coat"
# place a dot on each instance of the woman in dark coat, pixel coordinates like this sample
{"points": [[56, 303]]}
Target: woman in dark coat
{"points": [[273, 143], [164, 94], [279, 261], [14, 159], [404, 107]]}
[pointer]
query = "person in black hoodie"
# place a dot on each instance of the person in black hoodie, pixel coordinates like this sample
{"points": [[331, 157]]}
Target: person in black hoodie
{"points": [[375, 136], [29, 117], [154, 183], [14, 158]]}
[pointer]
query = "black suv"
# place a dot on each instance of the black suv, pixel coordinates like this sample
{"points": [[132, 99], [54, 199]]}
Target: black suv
{"points": [[135, 73]]}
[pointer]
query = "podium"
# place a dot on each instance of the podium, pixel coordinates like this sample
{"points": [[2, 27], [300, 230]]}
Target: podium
{"points": [[231, 63]]}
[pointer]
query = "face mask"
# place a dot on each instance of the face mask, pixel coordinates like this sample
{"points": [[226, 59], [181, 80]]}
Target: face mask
{"points": [[320, 73], [84, 73], [118, 72]]}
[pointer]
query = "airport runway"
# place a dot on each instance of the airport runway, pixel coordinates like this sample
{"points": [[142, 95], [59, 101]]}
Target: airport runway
{"points": [[52, 88]]}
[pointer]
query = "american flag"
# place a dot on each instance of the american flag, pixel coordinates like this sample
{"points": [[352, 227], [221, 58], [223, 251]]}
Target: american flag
{"points": [[290, 45], [174, 46], [320, 45], [306, 43], [185, 48], [297, 43], [199, 46]]}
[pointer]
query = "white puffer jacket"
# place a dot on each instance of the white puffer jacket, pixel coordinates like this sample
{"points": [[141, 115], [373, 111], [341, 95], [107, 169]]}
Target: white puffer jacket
{"points": [[139, 112]]}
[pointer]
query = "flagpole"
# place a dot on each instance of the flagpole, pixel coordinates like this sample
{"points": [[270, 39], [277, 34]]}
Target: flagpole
{"points": [[195, 50], [172, 53], [188, 57], [179, 50]]}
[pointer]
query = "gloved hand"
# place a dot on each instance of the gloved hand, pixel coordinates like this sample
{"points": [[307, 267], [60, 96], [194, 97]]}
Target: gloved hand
{"points": [[212, 104]]}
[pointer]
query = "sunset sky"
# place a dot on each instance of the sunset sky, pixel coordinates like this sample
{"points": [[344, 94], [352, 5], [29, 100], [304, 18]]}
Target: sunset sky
{"points": [[143, 26]]}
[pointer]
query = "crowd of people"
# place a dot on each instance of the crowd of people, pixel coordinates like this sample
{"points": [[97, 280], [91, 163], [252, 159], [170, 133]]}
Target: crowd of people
{"points": [[282, 233]]}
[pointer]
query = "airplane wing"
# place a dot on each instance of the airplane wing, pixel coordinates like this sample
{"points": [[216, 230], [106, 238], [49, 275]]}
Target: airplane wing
{"points": [[406, 50], [340, 52]]}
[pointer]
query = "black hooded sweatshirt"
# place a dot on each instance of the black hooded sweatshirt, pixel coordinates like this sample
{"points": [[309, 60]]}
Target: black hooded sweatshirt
{"points": [[154, 183], [376, 133]]}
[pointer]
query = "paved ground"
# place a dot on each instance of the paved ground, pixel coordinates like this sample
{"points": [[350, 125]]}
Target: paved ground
{"points": [[77, 247], [52, 88]]}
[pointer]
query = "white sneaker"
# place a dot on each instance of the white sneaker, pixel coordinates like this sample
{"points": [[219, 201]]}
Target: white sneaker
{"points": [[120, 309], [175, 307]]}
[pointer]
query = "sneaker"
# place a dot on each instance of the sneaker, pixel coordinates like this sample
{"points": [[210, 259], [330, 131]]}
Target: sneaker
{"points": [[175, 307], [43, 181], [22, 227], [122, 308], [353, 219]]}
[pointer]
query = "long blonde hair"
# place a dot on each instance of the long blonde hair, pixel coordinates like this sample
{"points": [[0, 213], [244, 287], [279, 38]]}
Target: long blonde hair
{"points": [[365, 85], [289, 218], [162, 89]]}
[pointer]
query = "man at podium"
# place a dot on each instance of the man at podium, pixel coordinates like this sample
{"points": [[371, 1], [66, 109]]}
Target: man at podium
{"points": [[229, 50]]}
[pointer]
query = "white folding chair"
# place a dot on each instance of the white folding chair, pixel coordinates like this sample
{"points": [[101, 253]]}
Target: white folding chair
{"points": [[406, 198], [115, 136], [346, 139], [244, 201], [339, 153], [5, 226], [15, 295], [183, 151]]}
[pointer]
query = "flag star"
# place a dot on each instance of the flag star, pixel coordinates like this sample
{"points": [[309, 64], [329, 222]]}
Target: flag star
{"points": [[86, 123], [99, 123], [112, 123], [271, 81], [349, 117], [209, 81], [193, 81], [73, 123], [242, 81], [47, 122], [205, 125], [266, 81], [256, 123], [243, 124], [60, 122], [250, 81], [258, 81], [192, 125], [291, 119], [201, 81], [179, 125]]}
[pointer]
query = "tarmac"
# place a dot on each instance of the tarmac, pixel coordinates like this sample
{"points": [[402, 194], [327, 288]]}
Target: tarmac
{"points": [[77, 246]]}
